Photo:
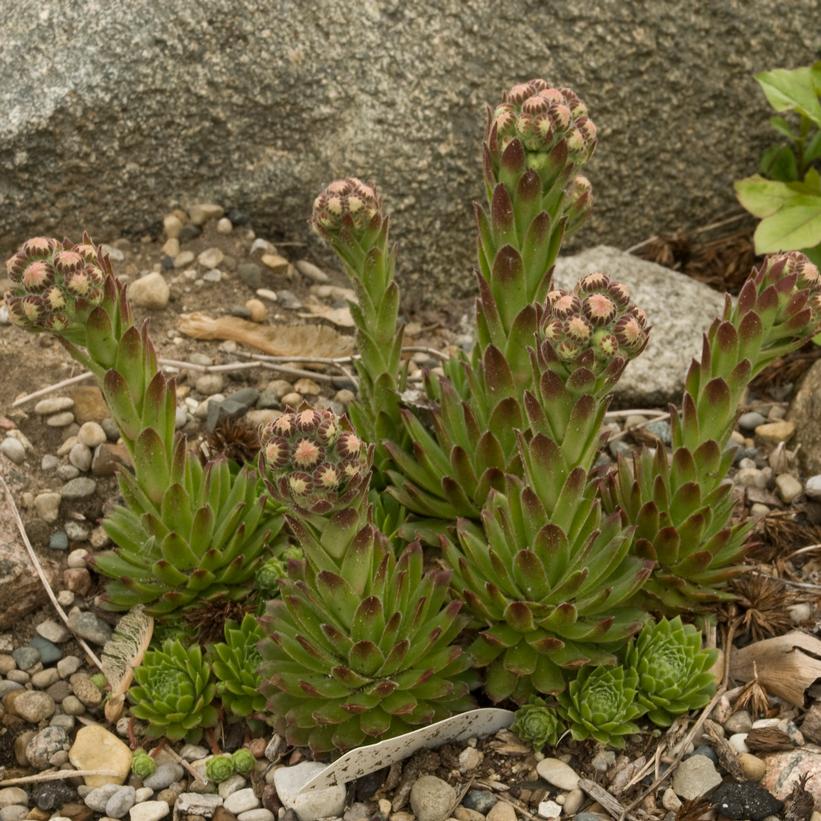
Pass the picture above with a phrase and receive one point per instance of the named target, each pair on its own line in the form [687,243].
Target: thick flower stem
[681,507]
[185,533]
[349,216]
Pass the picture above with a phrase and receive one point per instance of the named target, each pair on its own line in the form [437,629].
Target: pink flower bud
[348,203]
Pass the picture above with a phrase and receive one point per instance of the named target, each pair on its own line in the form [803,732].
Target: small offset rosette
[312,461]
[541,118]
[596,318]
[55,284]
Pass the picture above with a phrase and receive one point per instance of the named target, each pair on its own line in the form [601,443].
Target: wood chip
[276,340]
[768,740]
[786,665]
[727,756]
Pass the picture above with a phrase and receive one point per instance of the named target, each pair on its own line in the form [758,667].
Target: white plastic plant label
[363,760]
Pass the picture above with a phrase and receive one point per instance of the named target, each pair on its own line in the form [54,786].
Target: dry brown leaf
[768,740]
[276,340]
[122,654]
[786,665]
[338,316]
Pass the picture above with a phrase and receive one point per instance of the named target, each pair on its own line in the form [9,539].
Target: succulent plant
[273,569]
[548,582]
[348,214]
[142,764]
[601,703]
[56,286]
[360,644]
[681,506]
[235,664]
[548,577]
[174,692]
[186,533]
[219,768]
[674,672]
[538,723]
[243,760]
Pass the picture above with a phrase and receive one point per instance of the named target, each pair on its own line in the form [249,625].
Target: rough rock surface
[20,589]
[679,310]
[257,105]
[806,413]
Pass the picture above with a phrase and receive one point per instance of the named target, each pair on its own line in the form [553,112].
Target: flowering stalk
[582,342]
[348,214]
[185,533]
[682,507]
[360,644]
[535,141]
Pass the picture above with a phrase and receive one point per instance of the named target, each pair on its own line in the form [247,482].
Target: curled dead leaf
[786,666]
[276,340]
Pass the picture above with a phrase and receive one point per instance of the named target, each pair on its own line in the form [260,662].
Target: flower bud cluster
[541,116]
[312,462]
[783,267]
[345,203]
[596,316]
[55,284]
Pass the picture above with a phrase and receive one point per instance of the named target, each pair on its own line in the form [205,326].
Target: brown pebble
[257,310]
[501,811]
[754,768]
[77,580]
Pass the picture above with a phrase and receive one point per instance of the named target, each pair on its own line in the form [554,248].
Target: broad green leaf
[795,226]
[763,197]
[812,150]
[781,125]
[778,163]
[793,89]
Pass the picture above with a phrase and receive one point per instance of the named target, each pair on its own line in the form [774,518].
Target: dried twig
[56,775]
[30,397]
[41,574]
[606,799]
[627,431]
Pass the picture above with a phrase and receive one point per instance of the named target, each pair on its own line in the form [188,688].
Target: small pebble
[256,310]
[788,487]
[91,434]
[549,809]
[241,800]
[775,432]
[53,404]
[469,759]
[79,488]
[738,741]
[739,722]
[164,776]
[558,774]
[13,450]
[149,811]
[120,802]
[754,768]
[224,226]
[60,420]
[751,420]
[58,540]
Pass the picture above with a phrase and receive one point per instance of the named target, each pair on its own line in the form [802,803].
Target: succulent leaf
[174,692]
[674,672]
[601,703]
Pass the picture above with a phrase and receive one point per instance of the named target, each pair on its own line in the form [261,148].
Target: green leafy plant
[786,196]
[601,703]
[538,723]
[674,674]
[244,761]
[185,533]
[360,644]
[142,764]
[219,768]
[681,507]
[235,664]
[174,692]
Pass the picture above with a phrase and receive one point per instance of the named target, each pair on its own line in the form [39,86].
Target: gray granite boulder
[805,411]
[112,111]
[679,309]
